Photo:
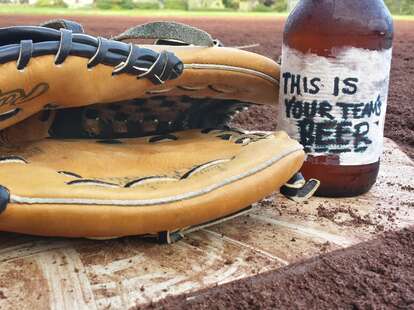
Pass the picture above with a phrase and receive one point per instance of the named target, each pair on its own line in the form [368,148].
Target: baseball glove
[101,138]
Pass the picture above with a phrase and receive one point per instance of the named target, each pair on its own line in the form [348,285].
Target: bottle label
[336,105]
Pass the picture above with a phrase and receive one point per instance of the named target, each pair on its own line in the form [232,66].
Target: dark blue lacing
[101,51]
[26,50]
[64,47]
[21,43]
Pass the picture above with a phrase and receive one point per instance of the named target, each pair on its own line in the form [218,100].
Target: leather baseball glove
[102,138]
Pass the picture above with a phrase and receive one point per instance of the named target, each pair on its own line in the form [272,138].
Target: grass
[404,17]
[30,10]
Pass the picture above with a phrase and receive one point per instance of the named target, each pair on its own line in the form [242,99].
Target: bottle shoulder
[322,25]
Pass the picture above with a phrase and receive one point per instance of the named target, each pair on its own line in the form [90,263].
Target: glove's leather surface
[172,173]
[88,188]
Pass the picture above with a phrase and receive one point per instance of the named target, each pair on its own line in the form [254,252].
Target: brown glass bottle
[324,28]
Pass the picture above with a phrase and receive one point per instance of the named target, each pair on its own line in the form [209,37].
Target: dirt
[355,220]
[377,274]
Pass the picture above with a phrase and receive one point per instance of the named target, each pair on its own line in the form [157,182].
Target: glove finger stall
[63,43]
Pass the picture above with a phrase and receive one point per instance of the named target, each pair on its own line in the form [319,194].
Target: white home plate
[52,273]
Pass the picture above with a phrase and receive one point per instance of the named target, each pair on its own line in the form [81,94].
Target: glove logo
[18,96]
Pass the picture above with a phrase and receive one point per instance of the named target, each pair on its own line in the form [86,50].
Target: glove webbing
[169,33]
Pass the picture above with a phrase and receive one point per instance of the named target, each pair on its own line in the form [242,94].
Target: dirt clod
[344,216]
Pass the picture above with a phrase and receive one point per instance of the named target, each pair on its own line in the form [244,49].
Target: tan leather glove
[101,138]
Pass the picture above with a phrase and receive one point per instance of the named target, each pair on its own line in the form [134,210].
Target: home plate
[56,273]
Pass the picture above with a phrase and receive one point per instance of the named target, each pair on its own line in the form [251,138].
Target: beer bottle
[336,59]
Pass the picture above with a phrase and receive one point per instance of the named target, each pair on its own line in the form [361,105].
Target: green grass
[30,10]
[403,17]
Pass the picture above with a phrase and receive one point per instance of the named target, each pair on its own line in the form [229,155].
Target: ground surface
[375,273]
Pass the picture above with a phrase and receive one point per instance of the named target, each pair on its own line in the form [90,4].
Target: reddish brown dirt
[374,275]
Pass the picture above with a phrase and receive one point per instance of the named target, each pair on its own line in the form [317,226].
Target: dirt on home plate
[371,275]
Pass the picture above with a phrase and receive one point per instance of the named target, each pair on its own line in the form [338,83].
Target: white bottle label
[336,105]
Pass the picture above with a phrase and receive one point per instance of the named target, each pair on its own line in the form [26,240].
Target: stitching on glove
[158,91]
[155,201]
[64,46]
[101,51]
[9,114]
[212,87]
[92,182]
[146,180]
[110,141]
[158,65]
[69,174]
[26,50]
[236,135]
[194,66]
[191,88]
[133,57]
[159,138]
[204,166]
[12,159]
[243,138]
[225,136]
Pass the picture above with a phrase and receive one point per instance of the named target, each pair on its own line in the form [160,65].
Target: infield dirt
[377,274]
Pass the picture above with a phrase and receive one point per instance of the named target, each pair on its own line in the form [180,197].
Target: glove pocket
[86,188]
